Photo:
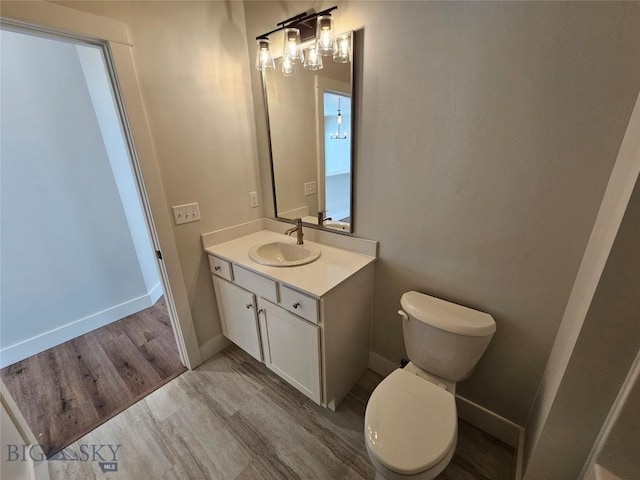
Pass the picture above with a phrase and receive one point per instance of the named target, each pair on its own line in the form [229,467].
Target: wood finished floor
[70,389]
[232,418]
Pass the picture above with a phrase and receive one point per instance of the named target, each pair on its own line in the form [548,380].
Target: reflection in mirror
[311,136]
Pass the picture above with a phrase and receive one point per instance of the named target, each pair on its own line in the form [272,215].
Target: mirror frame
[352,34]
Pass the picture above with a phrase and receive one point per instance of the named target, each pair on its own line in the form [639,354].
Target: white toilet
[411,425]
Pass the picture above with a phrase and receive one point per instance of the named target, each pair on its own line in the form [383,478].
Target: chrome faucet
[297,229]
[322,218]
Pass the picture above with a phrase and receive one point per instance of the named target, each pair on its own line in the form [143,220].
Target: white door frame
[21,463]
[47,18]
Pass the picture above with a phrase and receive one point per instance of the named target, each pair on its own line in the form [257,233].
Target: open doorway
[85,327]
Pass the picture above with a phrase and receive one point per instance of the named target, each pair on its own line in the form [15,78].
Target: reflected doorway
[337,152]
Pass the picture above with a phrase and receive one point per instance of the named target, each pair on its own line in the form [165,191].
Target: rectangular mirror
[310,125]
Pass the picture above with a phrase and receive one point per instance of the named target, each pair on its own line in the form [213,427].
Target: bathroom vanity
[310,324]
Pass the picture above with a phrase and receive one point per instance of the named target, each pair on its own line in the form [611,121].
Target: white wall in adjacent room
[68,260]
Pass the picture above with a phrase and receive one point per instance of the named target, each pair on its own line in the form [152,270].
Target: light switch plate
[253,199]
[310,188]
[189,212]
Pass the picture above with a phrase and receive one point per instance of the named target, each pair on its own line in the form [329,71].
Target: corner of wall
[213,346]
[617,197]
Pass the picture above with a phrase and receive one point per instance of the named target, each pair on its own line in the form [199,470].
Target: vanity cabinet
[318,344]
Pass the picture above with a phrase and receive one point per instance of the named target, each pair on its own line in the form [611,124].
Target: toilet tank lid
[448,316]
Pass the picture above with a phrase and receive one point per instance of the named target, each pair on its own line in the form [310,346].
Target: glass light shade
[287,67]
[292,46]
[325,37]
[264,60]
[312,61]
[343,50]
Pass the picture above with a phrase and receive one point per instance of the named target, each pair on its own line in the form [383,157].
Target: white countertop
[316,278]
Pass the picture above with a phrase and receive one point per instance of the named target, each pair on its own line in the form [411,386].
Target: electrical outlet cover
[253,199]
[310,188]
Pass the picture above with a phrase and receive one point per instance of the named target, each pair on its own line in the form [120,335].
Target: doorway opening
[85,327]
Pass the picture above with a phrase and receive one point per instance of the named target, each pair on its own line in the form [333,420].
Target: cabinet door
[291,348]
[238,316]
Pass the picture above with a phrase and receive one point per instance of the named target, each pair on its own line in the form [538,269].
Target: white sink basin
[280,254]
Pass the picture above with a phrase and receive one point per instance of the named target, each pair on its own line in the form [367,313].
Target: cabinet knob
[216,268]
[248,305]
[296,305]
[260,311]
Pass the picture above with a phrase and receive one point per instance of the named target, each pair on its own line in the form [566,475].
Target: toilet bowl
[411,423]
[411,427]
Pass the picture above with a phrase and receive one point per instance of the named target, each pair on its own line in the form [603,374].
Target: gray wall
[486,135]
[603,354]
[67,253]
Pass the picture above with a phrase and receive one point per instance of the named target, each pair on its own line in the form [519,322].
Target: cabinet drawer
[257,284]
[299,303]
[220,267]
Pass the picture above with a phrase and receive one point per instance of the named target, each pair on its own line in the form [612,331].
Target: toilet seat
[410,424]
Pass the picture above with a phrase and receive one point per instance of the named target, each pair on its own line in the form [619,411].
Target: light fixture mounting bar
[300,22]
[284,23]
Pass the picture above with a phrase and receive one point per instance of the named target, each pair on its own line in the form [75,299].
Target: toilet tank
[444,338]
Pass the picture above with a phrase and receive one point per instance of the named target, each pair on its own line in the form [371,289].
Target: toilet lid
[410,423]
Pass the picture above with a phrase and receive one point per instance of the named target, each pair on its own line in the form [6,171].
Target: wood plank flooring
[232,418]
[70,389]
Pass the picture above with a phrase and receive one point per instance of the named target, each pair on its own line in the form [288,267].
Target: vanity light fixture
[297,30]
[338,135]
[325,41]
[292,46]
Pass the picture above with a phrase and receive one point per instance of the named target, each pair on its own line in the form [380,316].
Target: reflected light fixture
[287,67]
[338,135]
[264,60]
[342,53]
[312,61]
[302,28]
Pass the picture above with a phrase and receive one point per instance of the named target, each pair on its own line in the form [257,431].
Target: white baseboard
[495,425]
[478,416]
[213,346]
[155,293]
[380,365]
[598,472]
[34,345]
[488,421]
